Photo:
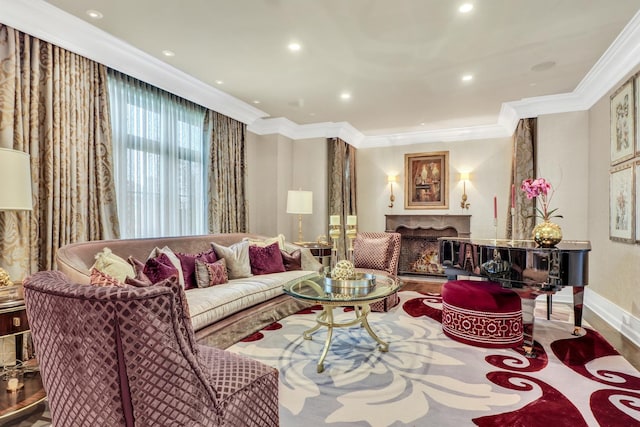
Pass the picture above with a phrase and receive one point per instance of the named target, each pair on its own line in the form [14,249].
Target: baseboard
[621,320]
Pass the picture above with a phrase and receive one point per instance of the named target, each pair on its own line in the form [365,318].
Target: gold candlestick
[351,235]
[334,233]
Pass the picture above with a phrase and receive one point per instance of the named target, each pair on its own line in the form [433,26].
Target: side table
[319,250]
[14,322]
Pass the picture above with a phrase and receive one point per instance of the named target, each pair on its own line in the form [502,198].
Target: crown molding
[43,20]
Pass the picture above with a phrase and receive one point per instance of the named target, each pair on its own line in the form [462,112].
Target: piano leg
[528,320]
[578,297]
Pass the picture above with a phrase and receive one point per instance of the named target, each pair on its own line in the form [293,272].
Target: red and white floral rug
[428,379]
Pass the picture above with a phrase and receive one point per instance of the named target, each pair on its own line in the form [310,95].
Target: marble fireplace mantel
[462,223]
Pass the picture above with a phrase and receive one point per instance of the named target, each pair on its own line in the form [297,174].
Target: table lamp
[15,177]
[300,202]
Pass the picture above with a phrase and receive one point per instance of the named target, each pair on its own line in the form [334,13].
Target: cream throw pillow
[263,243]
[237,258]
[175,261]
[109,263]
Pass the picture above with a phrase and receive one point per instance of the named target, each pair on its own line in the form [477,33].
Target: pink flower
[540,187]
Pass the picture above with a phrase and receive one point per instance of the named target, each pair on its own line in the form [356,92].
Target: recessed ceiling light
[465,8]
[345,95]
[543,66]
[168,53]
[294,47]
[94,14]
[255,101]
[219,82]
[467,78]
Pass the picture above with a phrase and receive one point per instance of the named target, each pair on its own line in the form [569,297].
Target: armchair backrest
[114,356]
[379,251]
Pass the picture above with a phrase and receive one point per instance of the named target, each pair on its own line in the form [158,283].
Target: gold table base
[325,318]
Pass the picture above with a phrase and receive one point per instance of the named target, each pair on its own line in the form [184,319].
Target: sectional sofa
[220,314]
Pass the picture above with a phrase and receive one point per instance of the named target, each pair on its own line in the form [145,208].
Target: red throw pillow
[292,261]
[159,268]
[188,263]
[266,260]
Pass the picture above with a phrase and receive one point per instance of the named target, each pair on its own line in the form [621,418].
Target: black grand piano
[525,268]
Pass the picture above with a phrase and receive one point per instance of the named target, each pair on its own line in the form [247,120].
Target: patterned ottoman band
[482,314]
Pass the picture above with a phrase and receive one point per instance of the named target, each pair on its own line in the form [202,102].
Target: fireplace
[419,248]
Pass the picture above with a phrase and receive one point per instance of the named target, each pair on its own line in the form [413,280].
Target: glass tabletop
[320,289]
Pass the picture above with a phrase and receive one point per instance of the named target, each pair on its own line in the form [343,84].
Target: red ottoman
[483,314]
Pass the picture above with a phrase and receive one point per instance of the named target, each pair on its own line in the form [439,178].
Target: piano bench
[482,314]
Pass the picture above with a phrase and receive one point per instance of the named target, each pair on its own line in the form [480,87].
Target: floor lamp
[301,203]
[15,179]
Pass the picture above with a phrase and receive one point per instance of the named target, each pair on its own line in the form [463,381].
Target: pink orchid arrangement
[540,188]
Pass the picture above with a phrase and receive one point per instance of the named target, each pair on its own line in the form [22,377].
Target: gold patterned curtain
[54,106]
[523,167]
[342,185]
[227,174]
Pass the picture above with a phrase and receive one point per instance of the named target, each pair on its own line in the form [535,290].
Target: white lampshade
[15,181]
[299,202]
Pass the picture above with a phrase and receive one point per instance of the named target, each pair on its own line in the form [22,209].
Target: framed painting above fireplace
[426,180]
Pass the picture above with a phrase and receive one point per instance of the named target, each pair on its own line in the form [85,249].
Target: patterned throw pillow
[236,257]
[266,260]
[160,268]
[211,273]
[111,264]
[371,252]
[292,261]
[98,278]
[188,265]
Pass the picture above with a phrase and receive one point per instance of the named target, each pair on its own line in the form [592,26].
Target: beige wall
[277,164]
[615,270]
[488,162]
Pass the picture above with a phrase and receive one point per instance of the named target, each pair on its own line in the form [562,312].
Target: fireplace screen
[419,250]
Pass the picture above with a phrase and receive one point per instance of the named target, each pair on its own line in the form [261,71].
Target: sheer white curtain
[160,159]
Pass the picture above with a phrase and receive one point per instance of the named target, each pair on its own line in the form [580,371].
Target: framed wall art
[621,204]
[427,180]
[623,134]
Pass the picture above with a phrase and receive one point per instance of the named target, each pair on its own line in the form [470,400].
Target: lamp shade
[15,176]
[299,202]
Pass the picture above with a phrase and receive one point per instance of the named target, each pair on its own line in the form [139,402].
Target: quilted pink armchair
[112,356]
[378,251]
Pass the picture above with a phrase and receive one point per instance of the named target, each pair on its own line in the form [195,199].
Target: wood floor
[623,345]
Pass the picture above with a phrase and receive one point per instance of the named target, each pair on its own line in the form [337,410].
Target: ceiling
[401,61]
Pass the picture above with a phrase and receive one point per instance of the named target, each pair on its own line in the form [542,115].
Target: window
[160,157]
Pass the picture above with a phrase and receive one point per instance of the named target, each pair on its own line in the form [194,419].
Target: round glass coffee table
[315,290]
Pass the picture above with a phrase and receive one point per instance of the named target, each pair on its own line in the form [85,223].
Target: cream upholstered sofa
[219,314]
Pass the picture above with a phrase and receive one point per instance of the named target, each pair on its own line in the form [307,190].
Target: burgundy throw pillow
[140,280]
[265,260]
[188,263]
[159,268]
[292,261]
[211,273]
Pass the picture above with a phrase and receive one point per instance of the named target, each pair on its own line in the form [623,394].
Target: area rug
[427,379]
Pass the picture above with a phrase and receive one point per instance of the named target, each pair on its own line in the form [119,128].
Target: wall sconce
[464,177]
[391,179]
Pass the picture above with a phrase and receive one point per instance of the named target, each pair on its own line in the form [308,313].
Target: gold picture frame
[623,134]
[622,204]
[426,180]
